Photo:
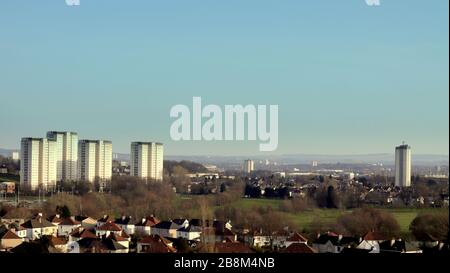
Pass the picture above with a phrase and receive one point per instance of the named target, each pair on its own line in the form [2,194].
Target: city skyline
[360,82]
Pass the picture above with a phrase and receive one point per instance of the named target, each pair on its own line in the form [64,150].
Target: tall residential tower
[66,154]
[146,160]
[249,166]
[403,166]
[94,160]
[38,163]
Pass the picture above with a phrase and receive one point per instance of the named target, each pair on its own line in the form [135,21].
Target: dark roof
[106,218]
[81,218]
[54,218]
[111,244]
[148,221]
[30,248]
[190,228]
[298,248]
[179,221]
[391,246]
[166,225]
[124,220]
[336,239]
[38,222]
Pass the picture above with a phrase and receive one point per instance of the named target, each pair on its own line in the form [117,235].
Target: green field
[404,216]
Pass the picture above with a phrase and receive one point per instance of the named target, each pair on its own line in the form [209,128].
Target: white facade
[146,160]
[94,160]
[249,166]
[38,164]
[15,156]
[66,154]
[403,166]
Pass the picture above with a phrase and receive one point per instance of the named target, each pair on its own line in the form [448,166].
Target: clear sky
[348,78]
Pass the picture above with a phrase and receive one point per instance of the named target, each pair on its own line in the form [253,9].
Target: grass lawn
[404,216]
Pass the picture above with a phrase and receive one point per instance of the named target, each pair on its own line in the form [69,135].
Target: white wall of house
[65,230]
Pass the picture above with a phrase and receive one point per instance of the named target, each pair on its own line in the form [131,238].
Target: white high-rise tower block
[249,166]
[66,155]
[146,160]
[94,160]
[403,166]
[38,163]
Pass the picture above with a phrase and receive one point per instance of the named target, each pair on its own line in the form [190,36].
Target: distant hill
[191,167]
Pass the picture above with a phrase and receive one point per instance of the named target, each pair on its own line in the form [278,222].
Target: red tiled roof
[9,235]
[297,237]
[148,221]
[374,236]
[156,244]
[109,226]
[298,248]
[81,233]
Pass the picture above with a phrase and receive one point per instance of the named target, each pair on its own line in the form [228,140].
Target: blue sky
[348,78]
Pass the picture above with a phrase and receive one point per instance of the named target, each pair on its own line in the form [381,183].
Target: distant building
[249,166]
[7,187]
[146,160]
[94,160]
[15,156]
[38,164]
[66,155]
[314,163]
[403,166]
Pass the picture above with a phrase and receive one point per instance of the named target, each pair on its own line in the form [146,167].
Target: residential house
[125,223]
[298,247]
[258,238]
[105,219]
[155,244]
[296,238]
[38,227]
[213,235]
[57,244]
[18,230]
[9,240]
[67,225]
[333,243]
[165,229]
[86,221]
[144,226]
[371,241]
[54,219]
[81,233]
[107,228]
[189,233]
